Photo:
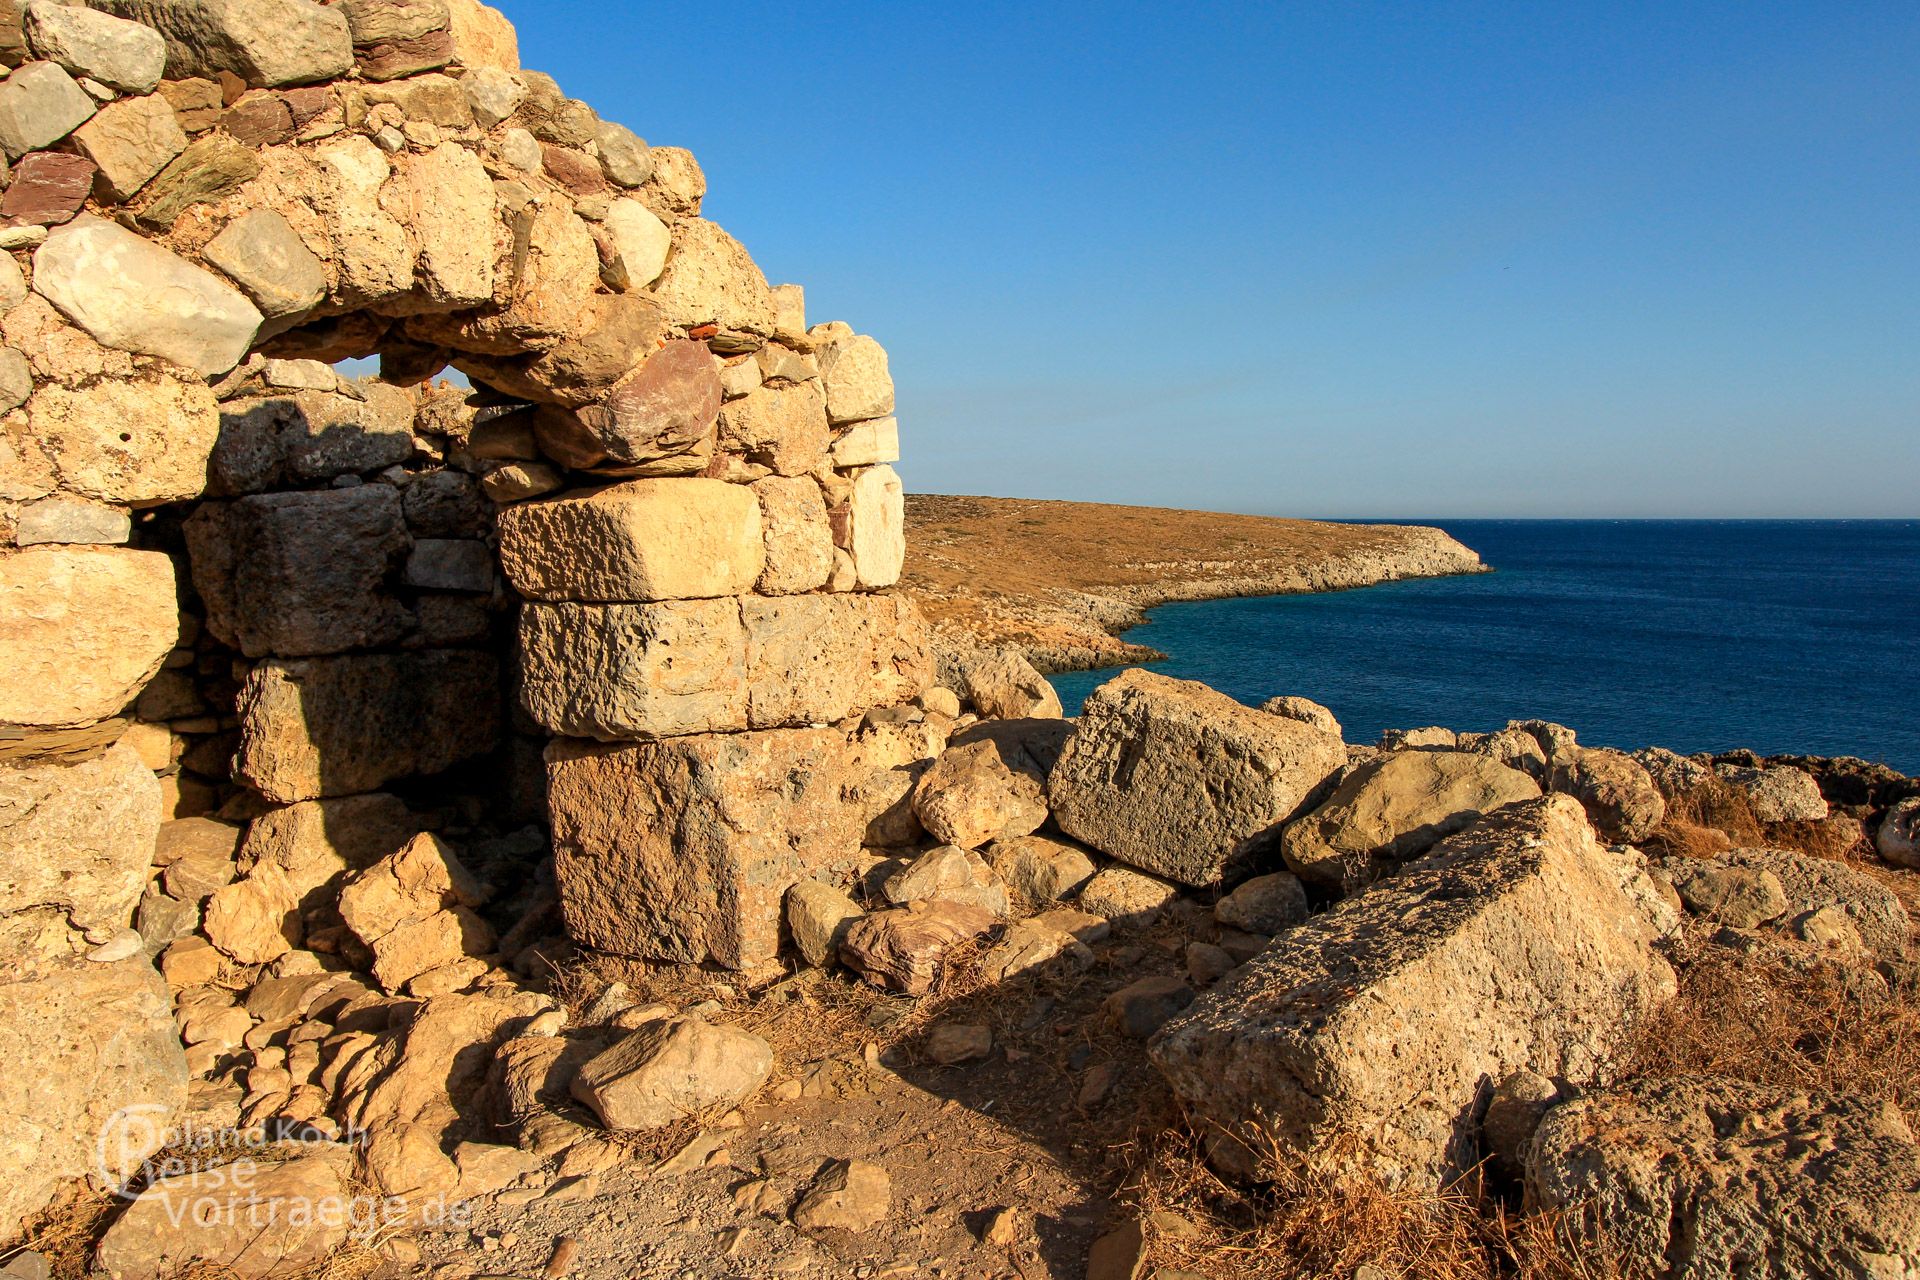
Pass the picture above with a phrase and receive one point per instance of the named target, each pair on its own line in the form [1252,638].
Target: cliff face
[1060,580]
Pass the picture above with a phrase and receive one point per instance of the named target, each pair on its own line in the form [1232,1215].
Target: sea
[1789,636]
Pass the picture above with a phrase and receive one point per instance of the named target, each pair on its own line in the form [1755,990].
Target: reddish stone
[406,57]
[666,407]
[48,189]
[840,521]
[577,172]
[701,332]
[305,105]
[259,120]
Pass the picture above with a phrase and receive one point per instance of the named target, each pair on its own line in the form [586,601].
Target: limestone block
[906,949]
[446,504]
[858,384]
[261,253]
[1516,945]
[784,427]
[878,512]
[624,671]
[119,54]
[318,842]
[790,313]
[818,917]
[817,658]
[493,93]
[638,541]
[413,910]
[140,443]
[82,629]
[372,253]
[79,838]
[61,519]
[710,279]
[450,202]
[1174,778]
[684,849]
[264,42]
[862,444]
[641,240]
[793,520]
[102,1042]
[1310,712]
[322,727]
[482,36]
[39,105]
[134,295]
[301,574]
[657,418]
[310,435]
[552,293]
[1616,789]
[981,791]
[677,185]
[130,141]
[256,920]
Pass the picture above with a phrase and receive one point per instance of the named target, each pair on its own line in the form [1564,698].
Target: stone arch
[630,582]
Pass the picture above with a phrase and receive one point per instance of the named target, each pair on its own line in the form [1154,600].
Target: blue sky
[1442,259]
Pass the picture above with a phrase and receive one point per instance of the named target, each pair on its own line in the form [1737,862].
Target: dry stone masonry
[261,622]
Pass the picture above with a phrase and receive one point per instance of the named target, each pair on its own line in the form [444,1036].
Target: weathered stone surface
[638,541]
[617,672]
[710,279]
[1177,779]
[250,1220]
[256,920]
[858,384]
[79,837]
[102,1041]
[793,520]
[48,189]
[658,418]
[1142,1007]
[818,917]
[684,849]
[383,21]
[1265,904]
[1513,1116]
[905,949]
[451,214]
[1703,1177]
[1739,897]
[413,910]
[818,658]
[1126,896]
[211,168]
[137,296]
[851,1195]
[141,442]
[264,42]
[948,874]
[39,105]
[1517,944]
[482,36]
[672,1070]
[1897,839]
[302,574]
[82,629]
[320,727]
[309,435]
[1040,869]
[879,535]
[640,240]
[68,521]
[518,482]
[1617,792]
[1812,884]
[783,428]
[1395,808]
[319,842]
[1780,794]
[119,54]
[863,444]
[979,792]
[373,258]
[1304,710]
[677,185]
[130,141]
[1003,685]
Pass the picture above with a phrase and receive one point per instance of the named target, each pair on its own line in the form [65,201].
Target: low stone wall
[247,603]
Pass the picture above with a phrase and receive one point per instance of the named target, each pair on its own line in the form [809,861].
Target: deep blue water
[1782,636]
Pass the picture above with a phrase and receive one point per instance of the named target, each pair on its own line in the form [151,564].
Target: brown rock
[1617,792]
[851,1195]
[906,949]
[979,792]
[638,541]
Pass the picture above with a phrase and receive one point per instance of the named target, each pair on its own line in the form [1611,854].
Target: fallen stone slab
[1174,778]
[674,1069]
[1520,943]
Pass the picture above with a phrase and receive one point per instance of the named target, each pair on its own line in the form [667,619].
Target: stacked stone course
[247,602]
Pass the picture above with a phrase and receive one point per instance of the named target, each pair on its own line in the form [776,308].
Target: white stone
[641,239]
[123,55]
[864,444]
[879,527]
[134,295]
[494,93]
[859,385]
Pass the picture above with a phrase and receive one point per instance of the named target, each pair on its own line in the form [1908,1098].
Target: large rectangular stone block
[1371,1032]
[82,629]
[684,849]
[632,671]
[662,539]
[319,727]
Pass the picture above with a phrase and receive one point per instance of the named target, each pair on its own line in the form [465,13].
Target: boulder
[1898,837]
[656,413]
[710,279]
[1518,944]
[119,54]
[107,1084]
[1812,884]
[1515,748]
[1126,897]
[906,949]
[79,837]
[39,105]
[1738,897]
[684,849]
[130,293]
[948,874]
[981,791]
[863,444]
[1003,685]
[799,538]
[671,1070]
[878,538]
[414,911]
[1513,1116]
[1174,778]
[49,187]
[1266,904]
[1053,941]
[818,917]
[139,442]
[302,574]
[1142,1007]
[1304,710]
[82,630]
[1040,869]
[850,1195]
[642,540]
[1779,794]
[264,42]
[858,385]
[250,1219]
[1394,808]
[317,727]
[1695,1176]
[639,240]
[1616,791]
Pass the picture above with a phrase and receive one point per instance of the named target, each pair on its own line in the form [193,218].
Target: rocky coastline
[1060,582]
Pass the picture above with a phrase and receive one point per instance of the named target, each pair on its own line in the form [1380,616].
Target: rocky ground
[1059,1029]
[1060,580]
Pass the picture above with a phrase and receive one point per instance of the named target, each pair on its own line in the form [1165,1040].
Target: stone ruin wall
[260,621]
